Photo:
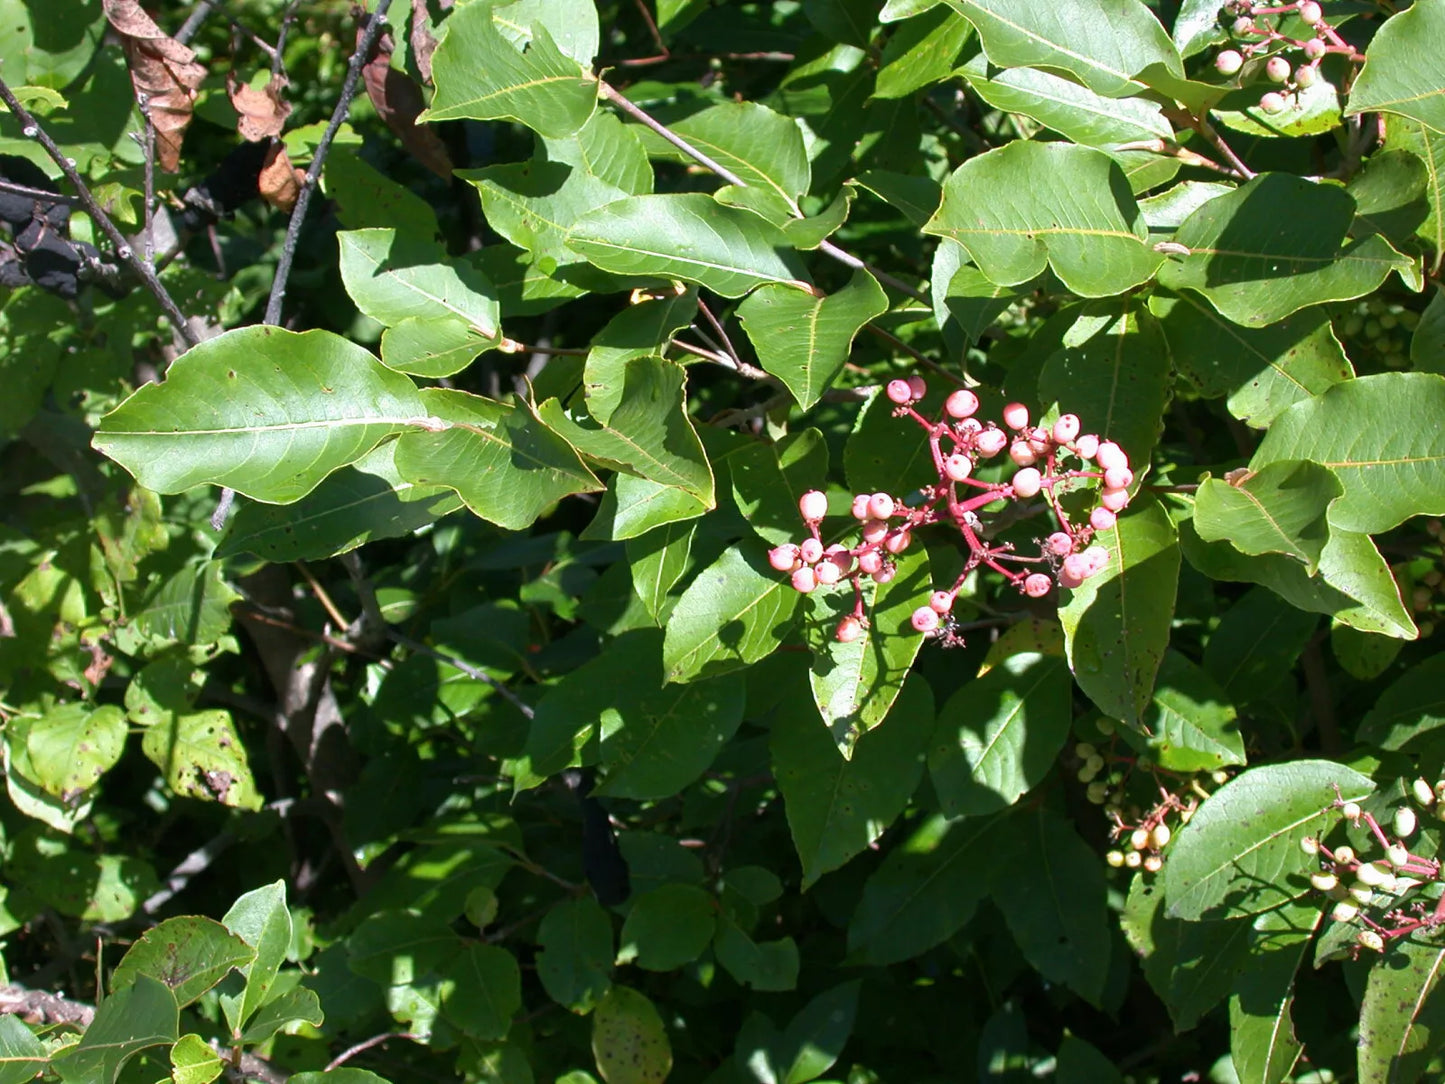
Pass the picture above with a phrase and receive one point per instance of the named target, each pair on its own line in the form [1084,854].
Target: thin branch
[278,63]
[849,260]
[38,194]
[728,347]
[1215,140]
[194,864]
[927,362]
[194,20]
[366,1044]
[377,20]
[466,668]
[30,127]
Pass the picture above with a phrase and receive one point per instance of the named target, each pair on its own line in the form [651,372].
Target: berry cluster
[1257,35]
[1378,328]
[1373,893]
[958,442]
[1145,832]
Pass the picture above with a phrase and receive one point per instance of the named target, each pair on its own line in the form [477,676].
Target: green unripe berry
[1085,751]
[1361,894]
[1389,320]
[1371,874]
[1098,792]
[1371,940]
[1405,822]
[1422,793]
[1345,911]
[1096,763]
[1160,836]
[1153,863]
[1398,854]
[1105,727]
[1219,777]
[1276,69]
[1351,811]
[1345,856]
[1133,859]
[1115,858]
[1139,839]
[1322,881]
[1310,845]
[1352,326]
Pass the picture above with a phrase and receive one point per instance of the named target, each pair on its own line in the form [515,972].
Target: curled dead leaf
[164,73]
[280,182]
[261,113]
[399,101]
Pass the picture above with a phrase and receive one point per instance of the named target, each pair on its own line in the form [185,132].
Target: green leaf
[261,920]
[575,961]
[1262,370]
[1082,1063]
[804,340]
[1310,111]
[666,928]
[854,684]
[1412,707]
[688,236]
[1240,853]
[999,735]
[284,1010]
[1363,655]
[1116,625]
[1427,344]
[1276,245]
[1429,147]
[632,506]
[1192,726]
[1112,370]
[502,460]
[1389,196]
[1378,435]
[482,992]
[72,745]
[1059,915]
[637,331]
[927,888]
[963,296]
[191,607]
[194,1062]
[366,501]
[816,1036]
[344,1075]
[760,965]
[658,560]
[144,1014]
[734,613]
[1280,508]
[432,347]
[1402,1021]
[394,277]
[189,954]
[921,52]
[482,75]
[1104,45]
[572,24]
[1262,1040]
[1069,208]
[22,1055]
[648,434]
[267,412]
[364,196]
[201,756]
[838,808]
[1401,73]
[916,197]
[629,1039]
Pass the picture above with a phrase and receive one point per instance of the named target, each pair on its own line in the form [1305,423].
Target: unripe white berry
[1066,428]
[1351,811]
[1219,777]
[958,467]
[1272,102]
[1398,854]
[1322,881]
[924,619]
[899,392]
[1345,911]
[880,506]
[1405,822]
[1371,940]
[1027,482]
[1310,845]
[1037,585]
[1133,859]
[813,505]
[811,551]
[805,580]
[961,404]
[1115,858]
[1243,25]
[1016,415]
[1276,68]
[1422,793]
[1228,62]
[1344,856]
[1371,874]
[1023,455]
[1310,12]
[1153,863]
[1139,838]
[1160,836]
[1361,893]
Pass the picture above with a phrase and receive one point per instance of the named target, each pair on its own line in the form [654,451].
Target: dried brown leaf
[164,73]
[280,182]
[423,41]
[399,101]
[262,113]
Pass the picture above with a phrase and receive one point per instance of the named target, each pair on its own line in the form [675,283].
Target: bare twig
[278,61]
[365,1045]
[465,667]
[195,863]
[727,343]
[194,20]
[30,127]
[377,20]
[38,194]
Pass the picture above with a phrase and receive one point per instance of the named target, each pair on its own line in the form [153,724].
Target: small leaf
[189,954]
[394,277]
[629,1039]
[72,745]
[194,1062]
[483,991]
[667,928]
[261,920]
[1280,508]
[1192,726]
[575,961]
[760,965]
[1402,72]
[658,560]
[815,1038]
[201,756]
[637,331]
[734,613]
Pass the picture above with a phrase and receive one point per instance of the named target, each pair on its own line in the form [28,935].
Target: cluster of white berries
[1357,885]
[1148,833]
[958,442]
[1257,37]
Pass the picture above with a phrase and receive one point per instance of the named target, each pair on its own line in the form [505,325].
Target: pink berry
[1075,567]
[1315,48]
[1305,75]
[961,404]
[813,505]
[1277,69]
[1310,12]
[1027,482]
[784,558]
[1040,442]
[1228,62]
[941,601]
[1097,557]
[1059,544]
[958,467]
[918,386]
[899,392]
[870,563]
[839,556]
[1087,446]
[1114,499]
[1118,478]
[874,531]
[805,580]
[924,619]
[1016,415]
[880,506]
[1272,102]
[1020,452]
[898,542]
[1066,428]
[811,550]
[849,629]
[1243,25]
[860,505]
[1037,585]
[1101,519]
[1110,455]
[1069,579]
[827,573]
[886,573]
[991,441]
[968,426]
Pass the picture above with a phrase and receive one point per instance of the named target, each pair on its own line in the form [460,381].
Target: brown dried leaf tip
[164,73]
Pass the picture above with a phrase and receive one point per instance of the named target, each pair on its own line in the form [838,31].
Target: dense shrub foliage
[728,543]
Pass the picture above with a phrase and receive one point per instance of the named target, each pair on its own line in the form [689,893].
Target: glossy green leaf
[688,236]
[575,961]
[1402,1023]
[666,928]
[838,808]
[194,1062]
[190,954]
[191,607]
[260,919]
[345,1075]
[482,75]
[366,501]
[1116,625]
[1261,370]
[1308,111]
[632,506]
[1377,435]
[1276,245]
[72,745]
[648,434]
[1390,196]
[483,991]
[502,460]
[394,277]
[1401,73]
[1262,1039]
[658,560]
[282,1011]
[1103,45]
[1412,707]
[144,1014]
[921,52]
[637,331]
[432,347]
[1070,208]
[760,965]
[1192,726]
[572,24]
[963,296]
[22,1056]
[916,197]
[804,340]
[734,613]
[629,1039]
[999,735]
[1280,508]
[267,412]
[1240,853]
